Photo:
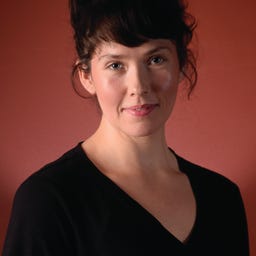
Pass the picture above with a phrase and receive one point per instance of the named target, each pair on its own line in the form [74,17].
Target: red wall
[41,117]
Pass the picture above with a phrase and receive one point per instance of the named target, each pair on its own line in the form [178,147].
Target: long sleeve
[37,222]
[238,226]
[70,208]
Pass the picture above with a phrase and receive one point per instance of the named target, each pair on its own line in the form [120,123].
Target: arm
[238,226]
[39,224]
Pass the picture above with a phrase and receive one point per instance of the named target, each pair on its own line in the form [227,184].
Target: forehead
[112,48]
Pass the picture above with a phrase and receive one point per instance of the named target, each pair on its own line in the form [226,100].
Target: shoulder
[60,187]
[72,165]
[220,205]
[70,173]
[69,165]
[215,193]
[44,206]
[206,179]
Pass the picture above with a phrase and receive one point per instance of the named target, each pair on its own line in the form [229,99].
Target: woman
[123,191]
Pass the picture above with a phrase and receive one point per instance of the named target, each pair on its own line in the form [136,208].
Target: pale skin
[136,90]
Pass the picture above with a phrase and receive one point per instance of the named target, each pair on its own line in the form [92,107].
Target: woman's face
[136,87]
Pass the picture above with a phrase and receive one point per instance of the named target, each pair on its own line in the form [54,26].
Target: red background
[41,117]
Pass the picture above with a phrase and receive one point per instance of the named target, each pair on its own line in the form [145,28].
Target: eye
[115,66]
[156,60]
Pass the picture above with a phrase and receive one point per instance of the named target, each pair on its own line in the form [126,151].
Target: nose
[139,81]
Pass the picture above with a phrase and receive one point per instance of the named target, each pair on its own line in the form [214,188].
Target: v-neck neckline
[137,206]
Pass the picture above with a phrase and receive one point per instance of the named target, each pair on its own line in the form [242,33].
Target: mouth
[140,110]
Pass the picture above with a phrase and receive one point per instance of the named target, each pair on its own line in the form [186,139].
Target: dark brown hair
[131,23]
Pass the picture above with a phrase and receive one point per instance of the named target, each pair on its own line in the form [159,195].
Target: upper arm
[238,225]
[39,223]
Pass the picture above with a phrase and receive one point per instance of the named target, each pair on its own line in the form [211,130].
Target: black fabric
[70,208]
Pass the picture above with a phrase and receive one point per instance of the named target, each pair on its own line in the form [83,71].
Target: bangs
[132,23]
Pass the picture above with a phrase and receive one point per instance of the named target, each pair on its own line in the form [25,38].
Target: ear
[86,80]
[181,76]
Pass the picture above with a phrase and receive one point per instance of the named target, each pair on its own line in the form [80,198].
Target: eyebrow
[121,56]
[157,49]
[112,56]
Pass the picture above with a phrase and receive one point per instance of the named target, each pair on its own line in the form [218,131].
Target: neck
[127,153]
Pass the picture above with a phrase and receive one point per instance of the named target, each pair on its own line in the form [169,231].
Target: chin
[142,131]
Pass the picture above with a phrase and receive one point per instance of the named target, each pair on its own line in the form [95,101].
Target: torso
[171,202]
[167,195]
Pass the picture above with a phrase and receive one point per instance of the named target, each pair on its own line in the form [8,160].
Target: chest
[171,204]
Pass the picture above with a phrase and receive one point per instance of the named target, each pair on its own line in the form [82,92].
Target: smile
[140,110]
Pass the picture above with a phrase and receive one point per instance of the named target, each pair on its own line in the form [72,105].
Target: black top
[70,208]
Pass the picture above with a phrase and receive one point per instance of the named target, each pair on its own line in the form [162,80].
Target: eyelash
[154,58]
[111,66]
[118,65]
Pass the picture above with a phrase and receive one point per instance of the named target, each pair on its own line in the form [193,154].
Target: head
[132,23]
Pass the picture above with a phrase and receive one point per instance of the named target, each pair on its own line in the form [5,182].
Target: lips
[140,110]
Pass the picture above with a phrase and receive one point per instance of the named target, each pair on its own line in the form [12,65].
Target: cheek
[108,91]
[166,82]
